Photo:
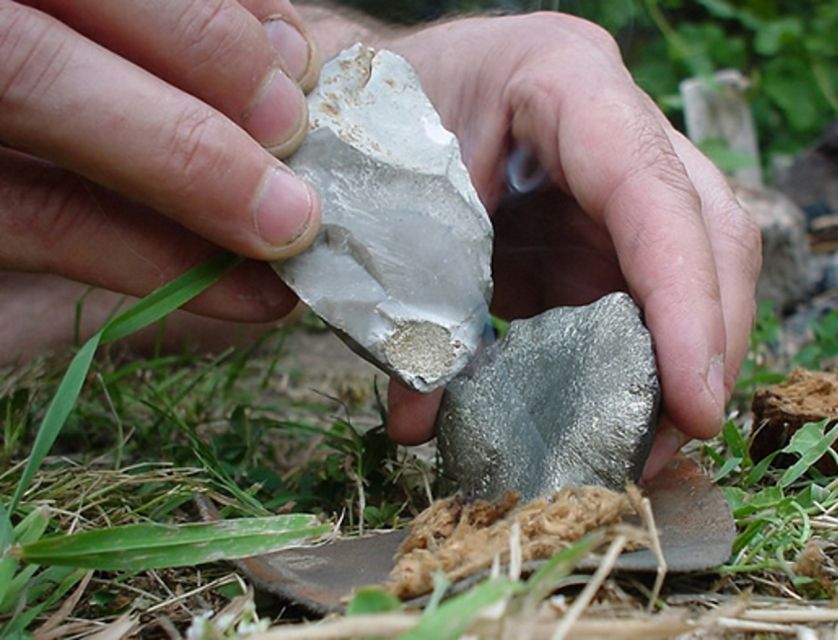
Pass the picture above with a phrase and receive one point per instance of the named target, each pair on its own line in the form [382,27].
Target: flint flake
[401,269]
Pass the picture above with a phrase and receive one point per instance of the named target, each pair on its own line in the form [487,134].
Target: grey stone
[812,179]
[719,110]
[786,276]
[401,269]
[569,397]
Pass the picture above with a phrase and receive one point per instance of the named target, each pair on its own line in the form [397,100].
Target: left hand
[635,205]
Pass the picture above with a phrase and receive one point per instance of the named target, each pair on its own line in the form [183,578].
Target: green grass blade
[32,527]
[452,618]
[16,626]
[147,311]
[15,588]
[57,413]
[547,578]
[8,564]
[368,600]
[155,546]
[169,297]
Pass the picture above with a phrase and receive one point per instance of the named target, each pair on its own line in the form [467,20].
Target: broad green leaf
[372,600]
[453,617]
[154,546]
[811,444]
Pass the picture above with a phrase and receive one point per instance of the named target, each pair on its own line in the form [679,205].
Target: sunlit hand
[635,206]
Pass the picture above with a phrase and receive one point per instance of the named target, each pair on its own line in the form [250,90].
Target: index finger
[145,139]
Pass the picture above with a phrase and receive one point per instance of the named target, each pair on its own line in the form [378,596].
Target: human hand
[133,140]
[635,206]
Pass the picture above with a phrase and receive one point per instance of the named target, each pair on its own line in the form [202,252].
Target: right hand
[137,137]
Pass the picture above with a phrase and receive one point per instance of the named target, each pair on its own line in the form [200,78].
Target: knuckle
[33,55]
[211,31]
[654,157]
[592,33]
[194,148]
[746,236]
[61,210]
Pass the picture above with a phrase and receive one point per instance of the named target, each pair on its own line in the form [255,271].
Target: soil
[780,410]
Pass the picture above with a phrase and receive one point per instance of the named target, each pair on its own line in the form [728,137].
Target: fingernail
[667,443]
[283,209]
[279,113]
[716,382]
[292,47]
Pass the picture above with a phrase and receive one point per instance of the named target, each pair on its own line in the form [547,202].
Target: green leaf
[453,617]
[65,581]
[372,600]
[169,297]
[811,444]
[727,468]
[789,82]
[733,439]
[8,564]
[150,309]
[776,34]
[154,546]
[759,470]
[726,159]
[441,584]
[15,588]
[32,527]
[546,579]
[56,415]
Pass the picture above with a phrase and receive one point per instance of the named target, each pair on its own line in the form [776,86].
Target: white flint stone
[401,269]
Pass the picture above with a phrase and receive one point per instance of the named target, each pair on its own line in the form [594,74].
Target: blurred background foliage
[788,49]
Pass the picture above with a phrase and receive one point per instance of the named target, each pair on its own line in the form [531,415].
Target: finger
[54,221]
[737,247]
[285,27]
[668,441]
[44,312]
[215,50]
[145,139]
[644,197]
[411,415]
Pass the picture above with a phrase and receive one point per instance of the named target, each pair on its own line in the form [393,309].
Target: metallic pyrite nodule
[569,397]
[401,269]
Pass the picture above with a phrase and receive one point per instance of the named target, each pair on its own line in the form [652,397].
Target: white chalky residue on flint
[405,241]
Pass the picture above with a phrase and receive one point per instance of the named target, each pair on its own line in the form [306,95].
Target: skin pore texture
[126,187]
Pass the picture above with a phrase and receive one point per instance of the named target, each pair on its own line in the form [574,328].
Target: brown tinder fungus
[463,537]
[781,409]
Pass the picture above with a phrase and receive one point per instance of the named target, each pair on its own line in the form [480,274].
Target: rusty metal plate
[694,523]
